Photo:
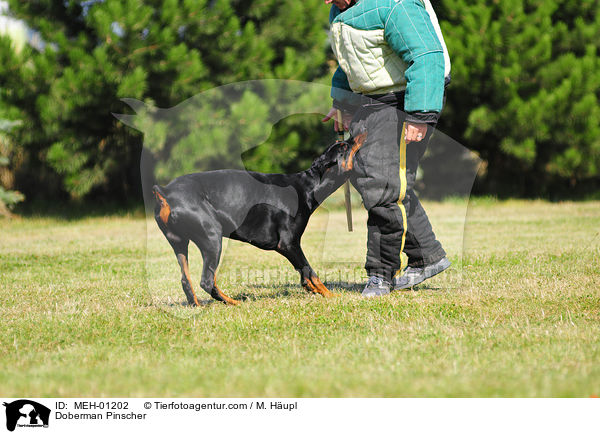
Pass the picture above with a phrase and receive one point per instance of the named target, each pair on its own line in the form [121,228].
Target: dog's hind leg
[210,246]
[308,278]
[179,244]
[181,251]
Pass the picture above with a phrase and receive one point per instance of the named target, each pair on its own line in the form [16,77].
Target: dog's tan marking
[309,286]
[315,285]
[322,288]
[358,142]
[165,209]
[227,299]
[185,269]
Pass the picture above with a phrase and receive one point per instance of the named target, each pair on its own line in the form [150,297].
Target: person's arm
[343,97]
[340,90]
[409,32]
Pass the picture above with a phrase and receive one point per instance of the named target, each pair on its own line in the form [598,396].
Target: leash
[347,198]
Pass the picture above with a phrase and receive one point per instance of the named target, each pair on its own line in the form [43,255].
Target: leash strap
[347,197]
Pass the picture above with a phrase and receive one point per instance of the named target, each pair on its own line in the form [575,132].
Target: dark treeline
[524,93]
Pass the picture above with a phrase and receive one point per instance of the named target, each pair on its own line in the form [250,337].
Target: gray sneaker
[376,287]
[413,276]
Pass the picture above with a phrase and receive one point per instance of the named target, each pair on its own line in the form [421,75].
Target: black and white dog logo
[26,413]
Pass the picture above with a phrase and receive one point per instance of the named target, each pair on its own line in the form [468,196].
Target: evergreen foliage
[524,93]
[161,52]
[525,90]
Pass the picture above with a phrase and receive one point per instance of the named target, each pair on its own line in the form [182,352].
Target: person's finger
[330,115]
[346,124]
[420,132]
[415,133]
[327,117]
[347,121]
[408,133]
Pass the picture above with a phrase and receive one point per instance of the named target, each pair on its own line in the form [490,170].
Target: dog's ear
[357,142]
[360,139]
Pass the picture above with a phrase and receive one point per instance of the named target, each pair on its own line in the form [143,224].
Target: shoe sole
[426,275]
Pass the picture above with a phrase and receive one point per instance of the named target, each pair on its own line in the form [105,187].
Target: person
[391,78]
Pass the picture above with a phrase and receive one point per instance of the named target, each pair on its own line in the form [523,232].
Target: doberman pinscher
[269,211]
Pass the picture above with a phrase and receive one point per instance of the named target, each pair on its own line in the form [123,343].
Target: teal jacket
[388,46]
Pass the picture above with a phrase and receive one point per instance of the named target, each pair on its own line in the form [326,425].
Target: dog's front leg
[313,284]
[308,278]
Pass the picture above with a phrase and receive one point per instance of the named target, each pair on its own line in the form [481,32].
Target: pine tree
[525,90]
[524,93]
[160,52]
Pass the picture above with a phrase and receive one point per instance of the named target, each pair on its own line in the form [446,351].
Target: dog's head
[338,160]
[335,165]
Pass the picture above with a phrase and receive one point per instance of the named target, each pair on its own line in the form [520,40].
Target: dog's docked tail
[162,210]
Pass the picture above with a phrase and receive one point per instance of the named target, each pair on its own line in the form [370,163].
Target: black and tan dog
[269,211]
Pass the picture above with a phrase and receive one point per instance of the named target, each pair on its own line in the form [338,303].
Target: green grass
[82,315]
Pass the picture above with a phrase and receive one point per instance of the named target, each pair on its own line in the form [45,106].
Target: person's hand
[346,118]
[415,132]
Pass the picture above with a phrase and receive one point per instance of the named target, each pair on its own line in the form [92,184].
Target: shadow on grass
[288,290]
[279,290]
[203,302]
[358,287]
[421,287]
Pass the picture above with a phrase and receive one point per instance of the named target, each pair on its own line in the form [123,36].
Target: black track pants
[386,172]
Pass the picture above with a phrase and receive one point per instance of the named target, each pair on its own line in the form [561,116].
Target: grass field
[520,317]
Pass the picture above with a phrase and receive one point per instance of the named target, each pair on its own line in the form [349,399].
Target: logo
[26,413]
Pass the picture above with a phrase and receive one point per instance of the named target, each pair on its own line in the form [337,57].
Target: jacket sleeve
[409,32]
